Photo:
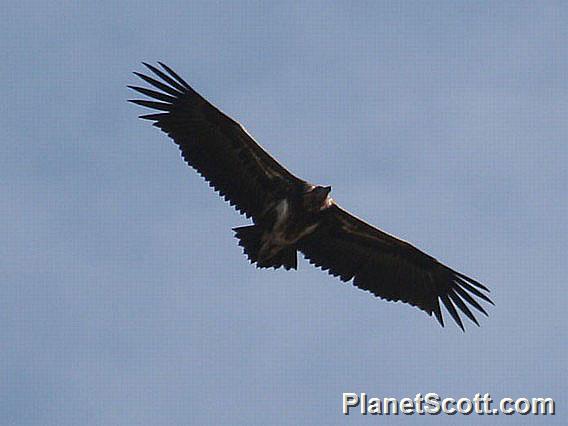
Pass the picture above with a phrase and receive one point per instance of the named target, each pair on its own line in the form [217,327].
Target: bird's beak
[327,189]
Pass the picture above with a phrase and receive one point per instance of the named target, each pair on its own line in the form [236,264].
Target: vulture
[291,215]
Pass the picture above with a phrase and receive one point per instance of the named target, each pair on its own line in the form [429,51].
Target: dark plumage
[291,215]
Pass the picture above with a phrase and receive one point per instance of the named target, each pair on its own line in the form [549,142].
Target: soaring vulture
[291,215]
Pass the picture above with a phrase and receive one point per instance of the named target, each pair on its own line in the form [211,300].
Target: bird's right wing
[219,148]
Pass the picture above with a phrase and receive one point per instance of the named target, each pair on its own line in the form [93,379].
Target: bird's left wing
[388,267]
[218,147]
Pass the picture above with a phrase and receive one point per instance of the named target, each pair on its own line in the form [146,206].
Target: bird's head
[317,198]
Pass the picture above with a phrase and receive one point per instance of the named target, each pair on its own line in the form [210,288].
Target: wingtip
[461,305]
[472,281]
[474,320]
[438,312]
[452,310]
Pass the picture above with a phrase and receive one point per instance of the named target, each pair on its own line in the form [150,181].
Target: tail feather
[286,257]
[250,240]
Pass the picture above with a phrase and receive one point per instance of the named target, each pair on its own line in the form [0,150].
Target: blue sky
[124,296]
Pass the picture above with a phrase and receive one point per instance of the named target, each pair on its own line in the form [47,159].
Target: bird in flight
[290,214]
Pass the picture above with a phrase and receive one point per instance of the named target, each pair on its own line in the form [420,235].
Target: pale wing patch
[282,209]
[327,203]
[269,171]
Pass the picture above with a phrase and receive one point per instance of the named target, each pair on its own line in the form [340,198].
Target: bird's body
[291,215]
[285,222]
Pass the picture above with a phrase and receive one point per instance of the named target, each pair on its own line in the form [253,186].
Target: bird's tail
[250,239]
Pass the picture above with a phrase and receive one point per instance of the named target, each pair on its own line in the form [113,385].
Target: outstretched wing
[390,268]
[219,148]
